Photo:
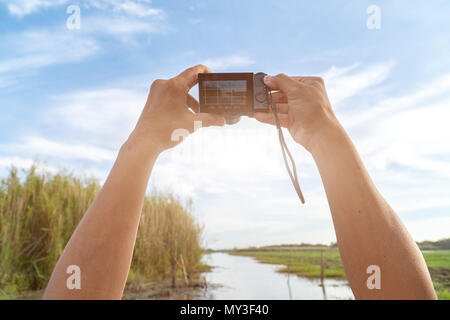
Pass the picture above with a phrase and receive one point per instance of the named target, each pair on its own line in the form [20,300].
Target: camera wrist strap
[285,150]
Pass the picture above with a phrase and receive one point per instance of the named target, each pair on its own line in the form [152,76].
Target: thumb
[282,82]
[209,119]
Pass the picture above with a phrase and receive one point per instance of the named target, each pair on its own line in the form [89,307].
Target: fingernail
[268,79]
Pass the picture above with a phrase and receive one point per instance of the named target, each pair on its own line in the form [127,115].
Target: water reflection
[243,278]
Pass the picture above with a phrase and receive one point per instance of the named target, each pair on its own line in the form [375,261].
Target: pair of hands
[302,104]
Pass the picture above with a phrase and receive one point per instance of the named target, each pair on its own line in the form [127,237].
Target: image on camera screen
[225,92]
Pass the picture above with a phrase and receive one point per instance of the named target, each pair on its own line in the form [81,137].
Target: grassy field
[438,263]
[306,262]
[40,211]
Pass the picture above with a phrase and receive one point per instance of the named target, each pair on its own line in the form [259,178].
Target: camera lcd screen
[226,93]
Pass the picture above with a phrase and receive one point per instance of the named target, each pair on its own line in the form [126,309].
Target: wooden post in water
[288,275]
[322,274]
[322,267]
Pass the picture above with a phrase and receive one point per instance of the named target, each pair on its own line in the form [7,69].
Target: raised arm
[368,231]
[102,245]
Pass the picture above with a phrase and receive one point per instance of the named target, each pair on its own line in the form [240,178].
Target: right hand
[303,107]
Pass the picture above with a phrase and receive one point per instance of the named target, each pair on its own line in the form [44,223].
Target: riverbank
[163,290]
[230,277]
[144,290]
[263,274]
[309,262]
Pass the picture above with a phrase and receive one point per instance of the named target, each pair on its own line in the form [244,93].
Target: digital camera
[233,94]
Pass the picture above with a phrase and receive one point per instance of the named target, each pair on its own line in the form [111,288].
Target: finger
[189,77]
[312,81]
[279,97]
[209,119]
[282,82]
[192,103]
[269,118]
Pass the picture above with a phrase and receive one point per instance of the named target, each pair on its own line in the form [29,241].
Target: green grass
[437,259]
[303,263]
[439,264]
[39,212]
[307,263]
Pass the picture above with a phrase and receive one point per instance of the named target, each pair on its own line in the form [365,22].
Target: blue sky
[69,98]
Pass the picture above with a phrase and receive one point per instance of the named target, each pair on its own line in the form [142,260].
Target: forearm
[102,245]
[367,229]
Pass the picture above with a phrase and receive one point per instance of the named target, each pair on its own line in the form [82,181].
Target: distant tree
[333,245]
[443,244]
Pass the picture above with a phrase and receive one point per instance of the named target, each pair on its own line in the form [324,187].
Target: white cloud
[24,163]
[403,140]
[121,26]
[18,162]
[404,143]
[37,49]
[137,8]
[48,164]
[335,72]
[252,218]
[228,62]
[47,148]
[239,158]
[410,130]
[420,229]
[414,143]
[21,8]
[125,18]
[106,115]
[343,83]
[419,97]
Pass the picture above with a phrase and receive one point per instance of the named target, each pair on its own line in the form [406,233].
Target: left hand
[167,110]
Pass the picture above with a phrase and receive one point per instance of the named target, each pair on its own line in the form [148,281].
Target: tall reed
[168,235]
[39,212]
